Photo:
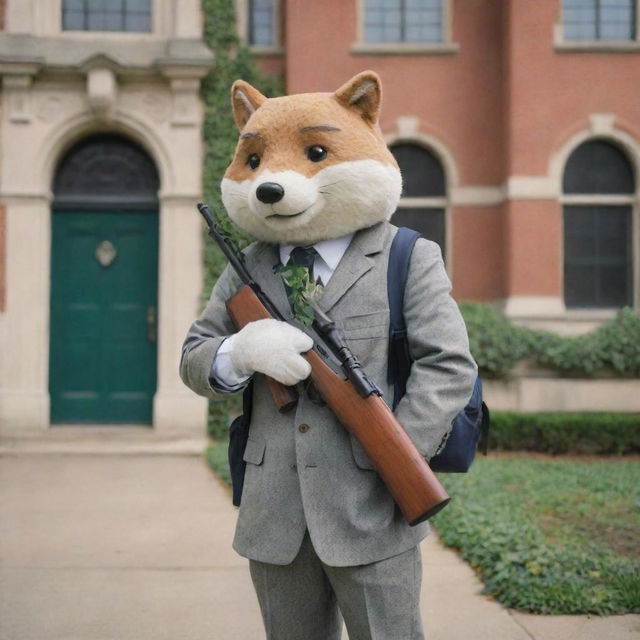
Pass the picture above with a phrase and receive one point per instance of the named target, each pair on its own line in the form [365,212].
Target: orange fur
[356,184]
[278,123]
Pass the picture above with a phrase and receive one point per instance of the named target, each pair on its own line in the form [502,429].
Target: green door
[104,293]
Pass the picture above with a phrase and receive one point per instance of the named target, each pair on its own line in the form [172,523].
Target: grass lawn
[549,535]
[546,535]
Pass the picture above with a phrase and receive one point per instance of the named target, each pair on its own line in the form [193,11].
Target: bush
[498,345]
[595,433]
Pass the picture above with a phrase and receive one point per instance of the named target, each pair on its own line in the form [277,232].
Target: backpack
[470,428]
[238,437]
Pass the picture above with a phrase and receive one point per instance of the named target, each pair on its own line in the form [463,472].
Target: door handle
[152,324]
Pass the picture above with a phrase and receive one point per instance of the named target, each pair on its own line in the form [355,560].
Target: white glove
[272,347]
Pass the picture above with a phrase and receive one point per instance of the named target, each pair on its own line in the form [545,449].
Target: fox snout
[270,192]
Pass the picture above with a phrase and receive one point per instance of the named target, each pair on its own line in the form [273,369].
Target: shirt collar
[331,251]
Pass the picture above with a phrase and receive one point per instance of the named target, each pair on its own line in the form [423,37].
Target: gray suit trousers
[303,600]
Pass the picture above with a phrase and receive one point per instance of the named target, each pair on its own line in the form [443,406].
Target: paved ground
[133,546]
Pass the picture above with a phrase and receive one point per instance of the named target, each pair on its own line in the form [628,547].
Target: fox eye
[254,161]
[316,153]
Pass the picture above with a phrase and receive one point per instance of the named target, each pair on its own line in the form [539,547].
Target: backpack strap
[399,364]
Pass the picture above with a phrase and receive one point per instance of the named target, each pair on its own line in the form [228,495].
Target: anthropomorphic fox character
[312,180]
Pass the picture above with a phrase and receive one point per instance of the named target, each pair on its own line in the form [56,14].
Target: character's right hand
[272,347]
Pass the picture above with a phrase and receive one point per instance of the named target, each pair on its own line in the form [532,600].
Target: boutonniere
[301,291]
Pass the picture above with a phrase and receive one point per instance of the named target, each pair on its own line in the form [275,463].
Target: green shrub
[498,345]
[594,433]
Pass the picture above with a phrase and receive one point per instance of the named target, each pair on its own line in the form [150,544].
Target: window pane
[597,256]
[422,173]
[106,15]
[73,20]
[383,21]
[73,5]
[403,21]
[617,20]
[261,27]
[580,19]
[599,19]
[598,167]
[579,286]
[429,222]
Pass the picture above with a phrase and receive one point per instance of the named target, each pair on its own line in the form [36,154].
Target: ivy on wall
[498,345]
[233,60]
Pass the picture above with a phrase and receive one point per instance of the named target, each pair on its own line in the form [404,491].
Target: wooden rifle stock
[403,469]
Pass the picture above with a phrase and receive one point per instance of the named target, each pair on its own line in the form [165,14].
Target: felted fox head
[311,166]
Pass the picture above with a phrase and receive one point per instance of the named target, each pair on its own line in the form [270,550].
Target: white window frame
[242,23]
[594,46]
[446,47]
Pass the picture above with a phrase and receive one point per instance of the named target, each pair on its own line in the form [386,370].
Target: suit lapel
[271,283]
[354,264]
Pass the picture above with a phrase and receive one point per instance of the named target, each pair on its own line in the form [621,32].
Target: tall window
[423,202]
[599,19]
[598,195]
[106,15]
[262,27]
[403,21]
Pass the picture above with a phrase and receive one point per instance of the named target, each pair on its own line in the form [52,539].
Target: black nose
[270,192]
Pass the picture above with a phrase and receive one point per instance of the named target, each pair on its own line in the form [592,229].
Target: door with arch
[104,284]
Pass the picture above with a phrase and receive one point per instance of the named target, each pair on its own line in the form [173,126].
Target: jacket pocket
[361,459]
[366,325]
[254,453]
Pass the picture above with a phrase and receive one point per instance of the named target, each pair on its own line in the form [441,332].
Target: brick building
[516,124]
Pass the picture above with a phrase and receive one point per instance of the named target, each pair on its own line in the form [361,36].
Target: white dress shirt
[224,376]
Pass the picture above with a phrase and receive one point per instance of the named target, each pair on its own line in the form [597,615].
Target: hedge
[498,345]
[594,433]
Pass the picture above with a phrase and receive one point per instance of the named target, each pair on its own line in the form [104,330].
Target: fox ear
[362,93]
[245,100]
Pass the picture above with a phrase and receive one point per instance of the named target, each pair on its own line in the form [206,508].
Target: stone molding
[531,394]
[187,56]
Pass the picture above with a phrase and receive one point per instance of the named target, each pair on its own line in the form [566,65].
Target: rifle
[356,402]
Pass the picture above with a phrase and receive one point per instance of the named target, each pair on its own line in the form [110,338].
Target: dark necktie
[304,257]
[301,257]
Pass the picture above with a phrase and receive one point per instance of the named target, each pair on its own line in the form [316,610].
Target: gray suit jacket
[320,478]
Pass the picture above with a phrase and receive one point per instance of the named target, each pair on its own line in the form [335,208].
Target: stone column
[177,410]
[24,369]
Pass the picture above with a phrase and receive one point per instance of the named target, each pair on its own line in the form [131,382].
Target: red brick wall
[503,106]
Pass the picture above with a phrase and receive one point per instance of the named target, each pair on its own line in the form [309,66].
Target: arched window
[598,187]
[104,171]
[423,202]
